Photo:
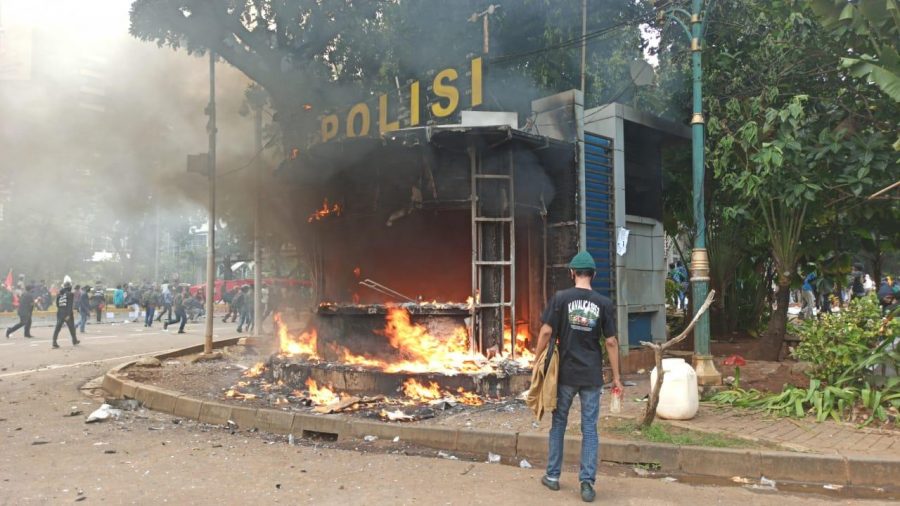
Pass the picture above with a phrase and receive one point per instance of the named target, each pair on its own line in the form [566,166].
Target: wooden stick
[658,349]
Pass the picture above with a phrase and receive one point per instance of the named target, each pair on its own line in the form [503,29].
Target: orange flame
[324,211]
[321,396]
[524,356]
[470,398]
[432,392]
[255,371]
[303,344]
[415,390]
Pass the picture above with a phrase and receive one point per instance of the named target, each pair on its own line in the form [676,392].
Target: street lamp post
[707,375]
[211,234]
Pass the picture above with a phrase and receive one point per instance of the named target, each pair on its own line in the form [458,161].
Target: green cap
[583,260]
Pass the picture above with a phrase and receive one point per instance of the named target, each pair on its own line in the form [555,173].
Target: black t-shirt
[581,318]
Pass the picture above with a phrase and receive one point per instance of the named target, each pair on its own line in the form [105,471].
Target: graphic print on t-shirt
[583,314]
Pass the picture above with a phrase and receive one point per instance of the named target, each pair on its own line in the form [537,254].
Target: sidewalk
[800,435]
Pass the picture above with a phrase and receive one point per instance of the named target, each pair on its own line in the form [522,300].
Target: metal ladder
[503,223]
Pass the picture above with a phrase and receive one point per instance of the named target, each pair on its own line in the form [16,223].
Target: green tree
[790,136]
[870,29]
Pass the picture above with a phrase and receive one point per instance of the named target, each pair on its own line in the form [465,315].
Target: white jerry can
[679,397]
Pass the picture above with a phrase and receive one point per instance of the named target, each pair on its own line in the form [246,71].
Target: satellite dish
[642,73]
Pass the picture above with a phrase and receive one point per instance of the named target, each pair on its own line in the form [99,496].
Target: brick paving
[803,435]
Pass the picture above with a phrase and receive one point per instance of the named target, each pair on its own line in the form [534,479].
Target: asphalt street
[47,457]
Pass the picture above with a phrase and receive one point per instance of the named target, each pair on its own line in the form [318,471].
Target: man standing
[84,308]
[577,319]
[809,298]
[26,307]
[178,306]
[151,300]
[65,304]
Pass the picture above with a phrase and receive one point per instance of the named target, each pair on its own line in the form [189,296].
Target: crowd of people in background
[819,293]
[166,303]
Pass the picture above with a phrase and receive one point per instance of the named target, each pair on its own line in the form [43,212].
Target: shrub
[836,342]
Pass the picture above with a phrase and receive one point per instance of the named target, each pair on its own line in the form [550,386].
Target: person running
[178,307]
[65,305]
[578,319]
[246,309]
[84,308]
[26,307]
[229,299]
[166,304]
[151,301]
[236,303]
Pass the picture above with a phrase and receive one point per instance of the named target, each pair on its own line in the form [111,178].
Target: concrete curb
[694,460]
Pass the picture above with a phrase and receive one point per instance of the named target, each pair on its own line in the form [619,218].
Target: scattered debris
[468,468]
[210,357]
[640,471]
[370,439]
[291,439]
[444,455]
[39,442]
[741,480]
[524,464]
[396,416]
[396,439]
[278,486]
[764,484]
[73,411]
[104,412]
[148,362]
[124,404]
[109,452]
[832,486]
[493,458]
[669,479]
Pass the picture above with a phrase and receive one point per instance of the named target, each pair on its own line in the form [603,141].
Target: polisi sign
[445,87]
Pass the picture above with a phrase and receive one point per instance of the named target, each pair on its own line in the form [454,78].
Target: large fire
[324,211]
[418,351]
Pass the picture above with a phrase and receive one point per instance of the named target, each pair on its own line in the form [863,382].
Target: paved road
[147,458]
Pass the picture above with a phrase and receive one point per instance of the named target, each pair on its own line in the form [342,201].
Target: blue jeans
[148,317]
[590,412]
[82,321]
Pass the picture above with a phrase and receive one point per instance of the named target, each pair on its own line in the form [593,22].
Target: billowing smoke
[95,131]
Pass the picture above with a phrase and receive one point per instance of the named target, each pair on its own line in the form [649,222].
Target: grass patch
[662,433]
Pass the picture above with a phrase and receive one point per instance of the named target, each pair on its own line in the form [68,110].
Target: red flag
[9,280]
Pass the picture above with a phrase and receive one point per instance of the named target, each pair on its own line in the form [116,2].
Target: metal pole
[706,371]
[487,37]
[211,235]
[156,248]
[583,41]
[257,260]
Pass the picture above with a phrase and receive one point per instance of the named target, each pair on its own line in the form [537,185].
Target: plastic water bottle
[615,404]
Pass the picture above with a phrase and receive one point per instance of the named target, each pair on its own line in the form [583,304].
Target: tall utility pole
[257,101]
[211,235]
[707,374]
[583,41]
